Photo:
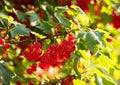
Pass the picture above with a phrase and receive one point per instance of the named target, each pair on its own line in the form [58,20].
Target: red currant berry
[109,40]
[41,15]
[29,71]
[18,83]
[19,58]
[91,53]
[30,83]
[1,41]
[6,45]
[33,67]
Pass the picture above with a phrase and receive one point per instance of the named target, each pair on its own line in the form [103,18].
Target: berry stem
[6,32]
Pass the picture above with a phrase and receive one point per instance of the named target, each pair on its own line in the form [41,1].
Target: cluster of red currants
[55,54]
[34,51]
[31,69]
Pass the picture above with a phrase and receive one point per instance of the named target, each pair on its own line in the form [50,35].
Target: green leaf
[5,74]
[102,70]
[98,81]
[93,41]
[76,60]
[34,18]
[64,21]
[19,30]
[20,15]
[108,82]
[81,40]
[102,62]
[47,43]
[80,45]
[91,8]
[61,9]
[3,23]
[81,16]
[78,9]
[83,19]
[106,18]
[46,27]
[111,71]
[78,82]
[102,36]
[59,14]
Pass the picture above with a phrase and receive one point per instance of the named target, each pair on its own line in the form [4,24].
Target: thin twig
[6,33]
[33,40]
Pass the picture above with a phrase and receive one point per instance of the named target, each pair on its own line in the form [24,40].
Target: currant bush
[52,42]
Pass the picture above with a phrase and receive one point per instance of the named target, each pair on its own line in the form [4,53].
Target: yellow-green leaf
[9,18]
[78,82]
[38,35]
[82,17]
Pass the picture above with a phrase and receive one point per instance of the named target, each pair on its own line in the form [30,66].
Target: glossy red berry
[18,83]
[91,53]
[109,40]
[6,45]
[83,4]
[19,58]
[68,81]
[29,71]
[30,83]
[41,14]
[116,20]
[33,67]
[1,41]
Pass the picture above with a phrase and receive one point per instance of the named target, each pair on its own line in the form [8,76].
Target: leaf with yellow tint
[78,82]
